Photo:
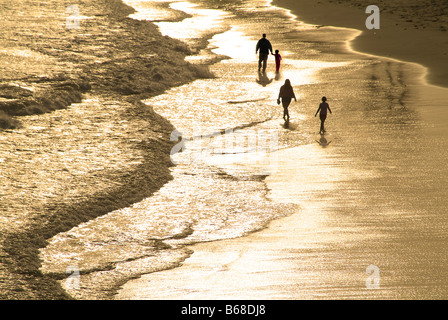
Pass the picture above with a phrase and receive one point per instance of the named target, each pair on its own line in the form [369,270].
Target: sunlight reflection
[153,10]
[202,22]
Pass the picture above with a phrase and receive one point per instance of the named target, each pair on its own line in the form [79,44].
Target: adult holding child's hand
[264,46]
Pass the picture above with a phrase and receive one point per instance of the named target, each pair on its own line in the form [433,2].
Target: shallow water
[54,147]
[370,192]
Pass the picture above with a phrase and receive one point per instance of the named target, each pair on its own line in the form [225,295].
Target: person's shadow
[290,126]
[263,79]
[323,142]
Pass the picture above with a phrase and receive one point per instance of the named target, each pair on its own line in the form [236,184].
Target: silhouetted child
[278,58]
[323,107]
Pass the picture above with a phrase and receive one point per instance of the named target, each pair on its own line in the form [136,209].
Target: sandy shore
[414,31]
[110,59]
[318,253]
[65,167]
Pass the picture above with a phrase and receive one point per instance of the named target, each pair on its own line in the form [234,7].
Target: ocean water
[368,193]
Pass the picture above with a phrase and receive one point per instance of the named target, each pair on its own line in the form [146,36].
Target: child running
[323,107]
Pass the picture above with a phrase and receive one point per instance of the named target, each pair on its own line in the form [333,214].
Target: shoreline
[36,236]
[112,56]
[229,264]
[406,33]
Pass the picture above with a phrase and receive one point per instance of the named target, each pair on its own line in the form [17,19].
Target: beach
[367,195]
[91,182]
[413,31]
[61,90]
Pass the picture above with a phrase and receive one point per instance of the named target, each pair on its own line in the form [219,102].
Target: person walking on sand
[264,46]
[278,58]
[286,94]
[323,107]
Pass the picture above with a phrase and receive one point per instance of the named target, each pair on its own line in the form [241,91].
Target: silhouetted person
[278,58]
[286,94]
[323,107]
[264,46]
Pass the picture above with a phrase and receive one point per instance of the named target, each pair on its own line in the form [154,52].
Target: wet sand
[20,275]
[345,222]
[322,251]
[287,261]
[412,31]
[78,143]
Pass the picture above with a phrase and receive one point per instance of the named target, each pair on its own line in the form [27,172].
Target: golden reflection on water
[154,10]
[359,204]
[203,22]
